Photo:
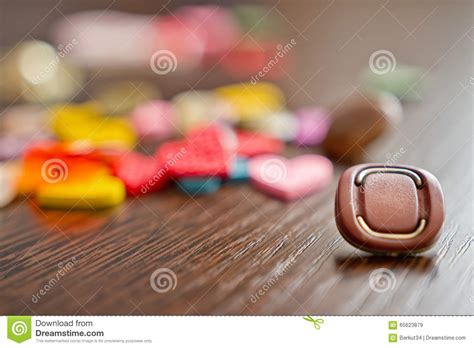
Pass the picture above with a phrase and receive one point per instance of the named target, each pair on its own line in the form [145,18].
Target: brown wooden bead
[359,122]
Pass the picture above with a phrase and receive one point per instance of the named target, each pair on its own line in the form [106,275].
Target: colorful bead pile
[130,140]
[232,135]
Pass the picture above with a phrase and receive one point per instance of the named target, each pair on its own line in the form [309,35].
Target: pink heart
[313,124]
[154,120]
[290,179]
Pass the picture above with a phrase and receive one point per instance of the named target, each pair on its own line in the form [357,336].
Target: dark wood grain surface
[240,252]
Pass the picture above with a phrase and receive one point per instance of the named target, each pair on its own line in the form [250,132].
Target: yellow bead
[85,122]
[199,108]
[99,192]
[66,118]
[115,132]
[253,100]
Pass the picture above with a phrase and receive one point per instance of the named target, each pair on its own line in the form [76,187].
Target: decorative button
[389,209]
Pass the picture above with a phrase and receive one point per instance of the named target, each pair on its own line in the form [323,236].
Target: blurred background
[105,43]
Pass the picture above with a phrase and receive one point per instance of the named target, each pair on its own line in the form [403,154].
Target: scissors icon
[316,322]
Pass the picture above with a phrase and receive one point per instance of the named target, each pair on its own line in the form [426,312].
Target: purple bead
[12,146]
[313,125]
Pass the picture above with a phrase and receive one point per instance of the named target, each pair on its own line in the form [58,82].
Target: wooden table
[240,252]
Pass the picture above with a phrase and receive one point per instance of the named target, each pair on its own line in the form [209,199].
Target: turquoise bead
[240,170]
[199,185]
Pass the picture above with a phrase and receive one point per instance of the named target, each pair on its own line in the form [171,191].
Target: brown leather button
[389,209]
[390,203]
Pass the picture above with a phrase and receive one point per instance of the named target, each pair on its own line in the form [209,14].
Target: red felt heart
[252,144]
[140,174]
[205,152]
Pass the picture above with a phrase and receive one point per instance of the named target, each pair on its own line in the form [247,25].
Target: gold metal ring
[359,180]
[421,226]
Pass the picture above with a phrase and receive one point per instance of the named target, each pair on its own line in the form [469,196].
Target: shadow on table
[371,262]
